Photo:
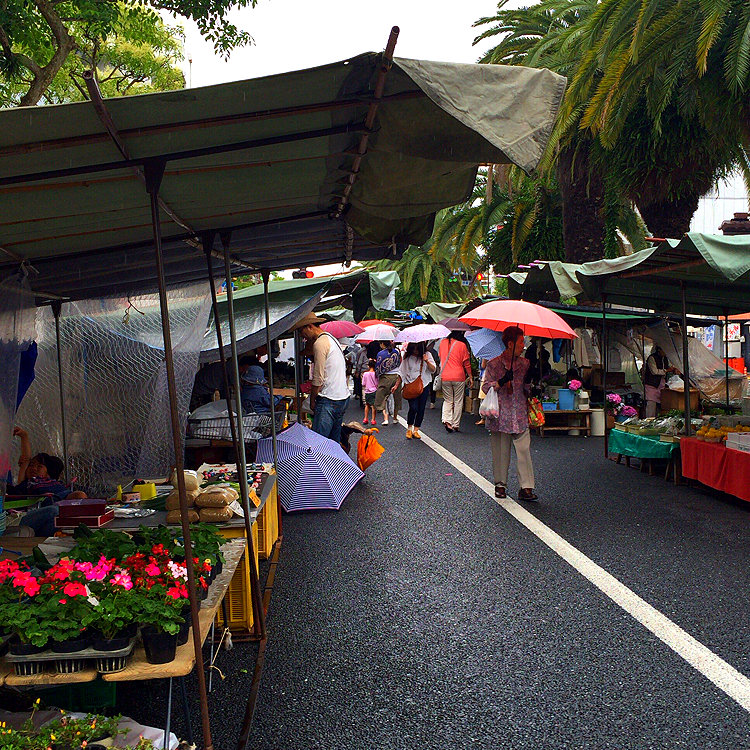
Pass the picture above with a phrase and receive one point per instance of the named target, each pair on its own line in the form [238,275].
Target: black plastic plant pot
[182,633]
[19,648]
[72,645]
[160,647]
[100,643]
[218,567]
[131,631]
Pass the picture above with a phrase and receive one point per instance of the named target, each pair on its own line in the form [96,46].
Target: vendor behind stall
[654,379]
[39,475]
[256,396]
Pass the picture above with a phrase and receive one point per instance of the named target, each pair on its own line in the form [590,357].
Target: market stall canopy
[545,278]
[714,268]
[268,161]
[439,311]
[292,299]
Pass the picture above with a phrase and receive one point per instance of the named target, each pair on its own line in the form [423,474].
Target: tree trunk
[582,191]
[669,219]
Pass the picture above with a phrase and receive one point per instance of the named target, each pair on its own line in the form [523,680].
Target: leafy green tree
[44,42]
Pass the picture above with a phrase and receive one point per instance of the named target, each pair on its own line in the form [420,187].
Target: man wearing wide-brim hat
[329,395]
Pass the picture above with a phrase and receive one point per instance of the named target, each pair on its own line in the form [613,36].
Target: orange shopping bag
[369,450]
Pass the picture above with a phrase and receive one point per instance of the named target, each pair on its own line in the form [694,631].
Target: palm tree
[647,85]
[651,133]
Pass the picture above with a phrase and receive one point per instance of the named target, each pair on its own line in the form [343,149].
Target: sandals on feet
[500,492]
[528,494]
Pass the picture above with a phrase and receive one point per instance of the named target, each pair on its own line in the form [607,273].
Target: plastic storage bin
[566,399]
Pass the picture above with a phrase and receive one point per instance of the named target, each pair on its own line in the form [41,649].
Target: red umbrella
[341,329]
[534,320]
[366,323]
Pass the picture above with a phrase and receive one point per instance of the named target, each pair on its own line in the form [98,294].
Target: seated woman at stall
[256,396]
[39,475]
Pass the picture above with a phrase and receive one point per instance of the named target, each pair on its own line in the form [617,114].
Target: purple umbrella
[422,332]
[341,329]
[454,324]
[313,472]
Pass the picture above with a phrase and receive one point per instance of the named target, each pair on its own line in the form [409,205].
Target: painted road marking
[711,666]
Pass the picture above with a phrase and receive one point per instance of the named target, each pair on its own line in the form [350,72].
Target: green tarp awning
[714,268]
[262,161]
[292,299]
[438,311]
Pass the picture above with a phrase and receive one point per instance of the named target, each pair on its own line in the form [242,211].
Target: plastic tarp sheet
[117,413]
[16,335]
[707,372]
[438,311]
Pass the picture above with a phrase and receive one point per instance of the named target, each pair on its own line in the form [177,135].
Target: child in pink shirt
[369,386]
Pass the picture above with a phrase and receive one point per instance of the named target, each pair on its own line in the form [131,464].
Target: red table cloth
[716,466]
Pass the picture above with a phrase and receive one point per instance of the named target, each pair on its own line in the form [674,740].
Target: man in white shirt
[329,396]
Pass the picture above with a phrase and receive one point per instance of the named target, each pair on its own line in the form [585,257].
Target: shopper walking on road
[329,395]
[370,386]
[387,368]
[416,374]
[454,372]
[507,375]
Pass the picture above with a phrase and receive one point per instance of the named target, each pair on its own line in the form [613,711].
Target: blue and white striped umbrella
[485,344]
[313,472]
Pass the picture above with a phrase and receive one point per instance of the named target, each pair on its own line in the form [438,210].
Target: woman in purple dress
[507,375]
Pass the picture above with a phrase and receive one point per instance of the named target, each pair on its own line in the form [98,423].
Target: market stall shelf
[565,420]
[138,668]
[717,466]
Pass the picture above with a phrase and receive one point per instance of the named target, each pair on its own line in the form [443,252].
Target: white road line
[722,674]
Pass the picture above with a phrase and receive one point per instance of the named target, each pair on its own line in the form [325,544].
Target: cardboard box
[93,522]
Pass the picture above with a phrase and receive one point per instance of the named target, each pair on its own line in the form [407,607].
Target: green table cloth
[639,446]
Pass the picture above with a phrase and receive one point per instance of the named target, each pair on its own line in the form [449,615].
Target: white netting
[115,386]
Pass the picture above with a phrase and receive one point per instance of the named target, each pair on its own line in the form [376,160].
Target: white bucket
[598,422]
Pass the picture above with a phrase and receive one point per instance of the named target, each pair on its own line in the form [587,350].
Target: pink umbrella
[534,320]
[341,329]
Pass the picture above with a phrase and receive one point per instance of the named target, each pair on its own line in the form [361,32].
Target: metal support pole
[297,376]
[168,727]
[207,249]
[259,621]
[186,711]
[56,308]
[685,360]
[726,355]
[154,174]
[604,371]
[266,277]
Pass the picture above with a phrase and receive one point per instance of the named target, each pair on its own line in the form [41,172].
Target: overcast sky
[295,34]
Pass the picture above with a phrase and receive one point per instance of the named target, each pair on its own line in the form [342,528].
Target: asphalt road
[422,615]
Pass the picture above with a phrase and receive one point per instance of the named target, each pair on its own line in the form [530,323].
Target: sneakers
[385,421]
[415,434]
[409,434]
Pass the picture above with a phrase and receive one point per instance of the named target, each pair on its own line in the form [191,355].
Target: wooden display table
[564,420]
[138,668]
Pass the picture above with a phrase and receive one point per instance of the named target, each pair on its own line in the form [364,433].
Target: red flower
[63,601]
[75,589]
[152,569]
[177,592]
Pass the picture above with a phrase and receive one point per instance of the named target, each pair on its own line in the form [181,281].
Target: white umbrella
[422,332]
[378,332]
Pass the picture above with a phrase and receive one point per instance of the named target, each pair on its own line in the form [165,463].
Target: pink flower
[575,385]
[122,579]
[152,569]
[75,589]
[32,587]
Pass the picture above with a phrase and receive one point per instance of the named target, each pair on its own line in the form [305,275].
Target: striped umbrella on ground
[313,472]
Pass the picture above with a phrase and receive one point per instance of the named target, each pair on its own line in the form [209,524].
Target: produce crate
[268,526]
[549,405]
[238,599]
[256,426]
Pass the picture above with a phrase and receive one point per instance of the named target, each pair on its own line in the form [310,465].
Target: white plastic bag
[490,407]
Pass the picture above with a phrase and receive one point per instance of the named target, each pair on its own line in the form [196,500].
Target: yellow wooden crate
[238,598]
[268,525]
